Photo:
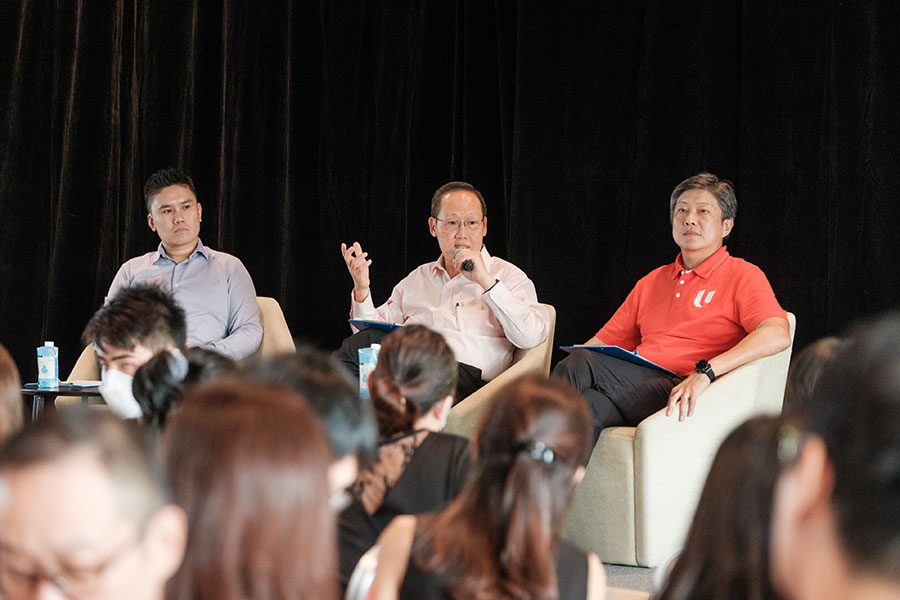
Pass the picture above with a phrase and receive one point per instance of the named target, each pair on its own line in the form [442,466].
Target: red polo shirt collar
[705,268]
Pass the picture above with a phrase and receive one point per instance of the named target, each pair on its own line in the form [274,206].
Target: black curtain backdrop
[307,124]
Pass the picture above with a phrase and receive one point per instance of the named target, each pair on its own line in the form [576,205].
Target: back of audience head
[531,449]
[805,372]
[248,462]
[11,417]
[136,324]
[416,374]
[327,388]
[841,501]
[84,511]
[161,382]
[726,554]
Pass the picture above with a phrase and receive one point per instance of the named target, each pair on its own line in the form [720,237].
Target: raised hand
[358,265]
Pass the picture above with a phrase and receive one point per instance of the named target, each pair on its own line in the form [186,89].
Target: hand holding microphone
[467,264]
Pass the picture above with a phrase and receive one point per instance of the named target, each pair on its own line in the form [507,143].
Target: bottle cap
[48,344]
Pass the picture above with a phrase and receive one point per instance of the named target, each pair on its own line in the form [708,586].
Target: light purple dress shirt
[214,289]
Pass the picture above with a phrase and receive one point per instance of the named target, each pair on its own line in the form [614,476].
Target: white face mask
[115,387]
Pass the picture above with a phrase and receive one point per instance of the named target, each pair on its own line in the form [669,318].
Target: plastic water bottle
[368,358]
[48,366]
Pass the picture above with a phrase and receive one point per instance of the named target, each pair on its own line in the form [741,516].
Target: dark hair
[120,447]
[416,369]
[721,189]
[163,179]
[248,463]
[161,382]
[11,417]
[857,414]
[452,187]
[141,314]
[806,369]
[327,387]
[726,554]
[499,537]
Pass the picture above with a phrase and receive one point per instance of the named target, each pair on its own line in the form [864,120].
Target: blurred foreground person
[417,468]
[806,370]
[126,332]
[327,388]
[249,462]
[160,383]
[501,537]
[836,516]
[83,513]
[726,555]
[11,416]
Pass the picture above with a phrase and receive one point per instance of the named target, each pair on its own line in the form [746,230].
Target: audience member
[348,420]
[417,469]
[126,332]
[726,555]
[160,383]
[484,306]
[11,417]
[836,516]
[248,461]
[500,538]
[699,317]
[84,513]
[213,288]
[806,369]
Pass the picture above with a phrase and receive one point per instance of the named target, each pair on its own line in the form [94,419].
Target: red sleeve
[622,329]
[756,301]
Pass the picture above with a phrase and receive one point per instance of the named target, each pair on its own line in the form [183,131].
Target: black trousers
[468,380]
[618,392]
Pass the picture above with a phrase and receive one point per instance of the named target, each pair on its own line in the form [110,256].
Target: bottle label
[48,367]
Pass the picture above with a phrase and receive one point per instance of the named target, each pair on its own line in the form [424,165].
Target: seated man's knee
[573,366]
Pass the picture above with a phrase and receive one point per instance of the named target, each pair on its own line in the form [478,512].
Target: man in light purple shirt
[484,306]
[213,288]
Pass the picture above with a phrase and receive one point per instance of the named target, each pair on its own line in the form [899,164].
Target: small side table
[37,399]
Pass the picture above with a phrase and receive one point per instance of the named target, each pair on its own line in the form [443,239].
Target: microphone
[467,265]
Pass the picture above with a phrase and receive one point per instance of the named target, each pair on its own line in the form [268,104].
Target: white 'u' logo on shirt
[700,298]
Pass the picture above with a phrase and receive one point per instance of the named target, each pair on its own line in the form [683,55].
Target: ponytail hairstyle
[416,369]
[500,536]
[161,382]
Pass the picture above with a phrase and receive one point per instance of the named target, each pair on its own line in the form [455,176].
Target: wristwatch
[703,366]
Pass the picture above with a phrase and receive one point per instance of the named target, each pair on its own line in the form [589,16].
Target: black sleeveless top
[571,577]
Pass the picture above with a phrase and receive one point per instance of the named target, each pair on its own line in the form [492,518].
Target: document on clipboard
[379,325]
[620,353]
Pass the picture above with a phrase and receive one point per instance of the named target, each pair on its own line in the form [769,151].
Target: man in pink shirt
[484,306]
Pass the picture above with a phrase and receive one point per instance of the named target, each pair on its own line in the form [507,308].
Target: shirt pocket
[478,320]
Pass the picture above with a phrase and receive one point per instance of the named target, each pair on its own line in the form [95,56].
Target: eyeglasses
[453,224]
[73,582]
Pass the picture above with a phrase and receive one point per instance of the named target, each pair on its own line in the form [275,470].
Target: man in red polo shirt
[700,317]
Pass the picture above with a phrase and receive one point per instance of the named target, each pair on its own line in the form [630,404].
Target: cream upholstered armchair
[642,484]
[465,416]
[276,340]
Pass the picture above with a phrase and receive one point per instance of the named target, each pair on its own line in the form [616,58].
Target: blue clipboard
[379,325]
[622,354]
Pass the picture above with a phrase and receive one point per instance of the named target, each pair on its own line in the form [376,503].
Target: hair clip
[790,439]
[538,451]
[178,364]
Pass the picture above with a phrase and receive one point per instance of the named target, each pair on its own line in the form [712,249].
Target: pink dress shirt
[482,328]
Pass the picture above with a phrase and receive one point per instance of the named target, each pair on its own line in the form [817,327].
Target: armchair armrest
[465,416]
[672,459]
